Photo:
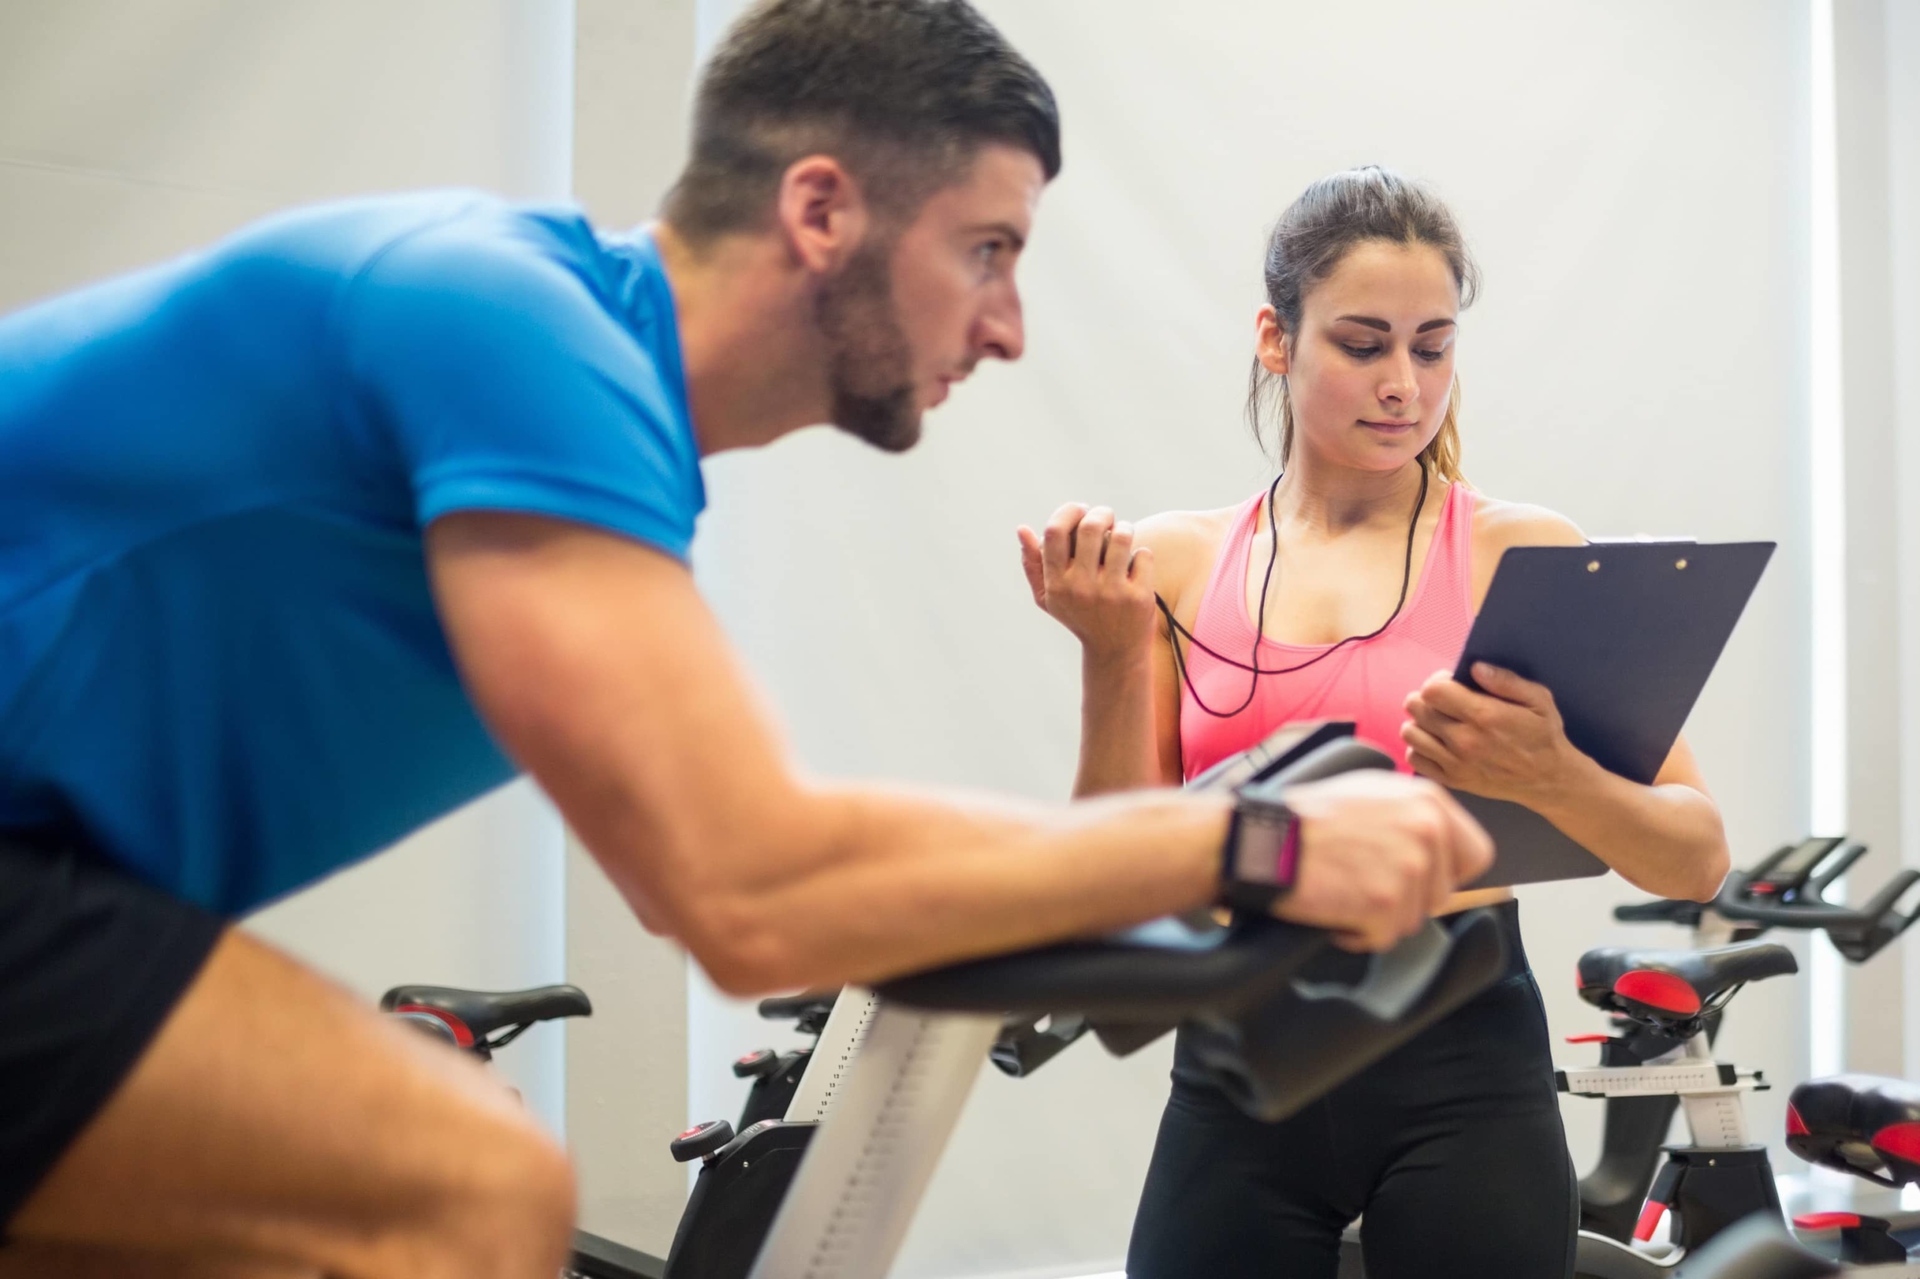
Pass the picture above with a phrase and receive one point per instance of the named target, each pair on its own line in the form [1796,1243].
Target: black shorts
[92,961]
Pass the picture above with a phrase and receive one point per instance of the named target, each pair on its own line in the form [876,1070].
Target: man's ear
[822,213]
[1270,341]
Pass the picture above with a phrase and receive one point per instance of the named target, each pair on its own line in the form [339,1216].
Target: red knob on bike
[702,1139]
[757,1064]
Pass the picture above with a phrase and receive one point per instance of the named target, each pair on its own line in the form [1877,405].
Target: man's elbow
[743,948]
[723,896]
[1709,876]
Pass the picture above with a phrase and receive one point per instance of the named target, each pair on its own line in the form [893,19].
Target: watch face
[1263,836]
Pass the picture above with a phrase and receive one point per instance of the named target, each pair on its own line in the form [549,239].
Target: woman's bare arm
[1509,743]
[1098,576]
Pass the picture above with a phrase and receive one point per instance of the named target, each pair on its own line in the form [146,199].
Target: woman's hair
[1329,219]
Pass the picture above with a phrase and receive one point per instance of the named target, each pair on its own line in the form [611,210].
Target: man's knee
[510,1211]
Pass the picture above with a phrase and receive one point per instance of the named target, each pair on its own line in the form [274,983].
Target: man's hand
[1380,853]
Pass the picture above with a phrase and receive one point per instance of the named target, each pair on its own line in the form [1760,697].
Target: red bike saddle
[1672,987]
[482,1012]
[1860,1124]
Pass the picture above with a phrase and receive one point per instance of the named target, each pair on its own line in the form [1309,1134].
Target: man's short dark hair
[902,92]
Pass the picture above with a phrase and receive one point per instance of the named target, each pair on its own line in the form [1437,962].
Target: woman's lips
[1390,428]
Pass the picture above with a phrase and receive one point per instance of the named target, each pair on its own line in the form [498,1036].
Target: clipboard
[1625,635]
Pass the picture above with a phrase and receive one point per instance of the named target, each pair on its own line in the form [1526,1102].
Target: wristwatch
[1261,855]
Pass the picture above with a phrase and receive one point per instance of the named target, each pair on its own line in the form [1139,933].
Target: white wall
[129,132]
[1869,346]
[1902,157]
[627,1067]
[1633,176]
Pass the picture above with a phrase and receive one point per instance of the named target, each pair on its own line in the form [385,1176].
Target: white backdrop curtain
[1633,178]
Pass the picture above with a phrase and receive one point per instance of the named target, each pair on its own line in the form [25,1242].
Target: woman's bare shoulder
[1499,524]
[1180,535]
[1184,546]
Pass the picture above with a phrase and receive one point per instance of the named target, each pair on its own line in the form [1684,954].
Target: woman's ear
[1270,341]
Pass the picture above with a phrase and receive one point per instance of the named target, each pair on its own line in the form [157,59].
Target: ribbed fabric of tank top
[1366,682]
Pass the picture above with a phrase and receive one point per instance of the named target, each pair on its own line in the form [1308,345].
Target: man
[311,537]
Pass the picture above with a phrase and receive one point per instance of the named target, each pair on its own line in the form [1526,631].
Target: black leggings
[1451,1146]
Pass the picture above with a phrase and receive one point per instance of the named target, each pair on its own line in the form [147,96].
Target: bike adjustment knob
[701,1139]
[757,1064]
[428,1024]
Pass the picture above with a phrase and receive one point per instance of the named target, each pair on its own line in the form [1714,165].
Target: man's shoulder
[538,276]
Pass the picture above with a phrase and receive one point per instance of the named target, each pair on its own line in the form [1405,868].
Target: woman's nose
[1400,385]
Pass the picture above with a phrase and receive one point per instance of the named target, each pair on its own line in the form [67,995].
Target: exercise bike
[1869,1127]
[1666,1005]
[893,1067]
[776,1075]
[1758,1249]
[830,1190]
[1658,1058]
[1787,890]
[1858,1124]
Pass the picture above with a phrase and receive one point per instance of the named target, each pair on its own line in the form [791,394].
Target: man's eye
[990,250]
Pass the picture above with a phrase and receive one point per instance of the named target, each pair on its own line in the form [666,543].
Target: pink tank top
[1366,682]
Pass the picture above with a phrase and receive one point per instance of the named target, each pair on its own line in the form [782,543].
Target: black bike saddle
[812,1005]
[482,1012]
[1861,1124]
[1669,987]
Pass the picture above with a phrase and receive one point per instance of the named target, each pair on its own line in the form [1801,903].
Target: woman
[1346,590]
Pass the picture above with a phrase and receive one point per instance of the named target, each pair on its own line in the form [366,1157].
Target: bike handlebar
[1273,1030]
[1788,890]
[1660,912]
[1858,934]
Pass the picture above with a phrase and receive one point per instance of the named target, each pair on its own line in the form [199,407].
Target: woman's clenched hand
[1087,574]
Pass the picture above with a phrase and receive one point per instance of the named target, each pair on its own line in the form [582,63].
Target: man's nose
[1003,332]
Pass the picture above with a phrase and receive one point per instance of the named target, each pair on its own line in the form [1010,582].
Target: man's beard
[869,364]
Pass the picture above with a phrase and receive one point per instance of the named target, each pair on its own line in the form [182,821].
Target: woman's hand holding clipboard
[1503,739]
[1623,635]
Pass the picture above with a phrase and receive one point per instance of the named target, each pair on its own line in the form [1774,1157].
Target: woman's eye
[1432,357]
[1359,352]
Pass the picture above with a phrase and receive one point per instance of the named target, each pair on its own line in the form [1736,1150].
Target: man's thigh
[91,963]
[273,1117]
[74,1261]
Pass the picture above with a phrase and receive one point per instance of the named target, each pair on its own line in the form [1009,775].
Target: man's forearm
[602,672]
[903,881]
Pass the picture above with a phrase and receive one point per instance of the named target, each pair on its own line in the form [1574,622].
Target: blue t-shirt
[218,655]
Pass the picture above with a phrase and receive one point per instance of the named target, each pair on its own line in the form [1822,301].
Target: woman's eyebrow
[1373,323]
